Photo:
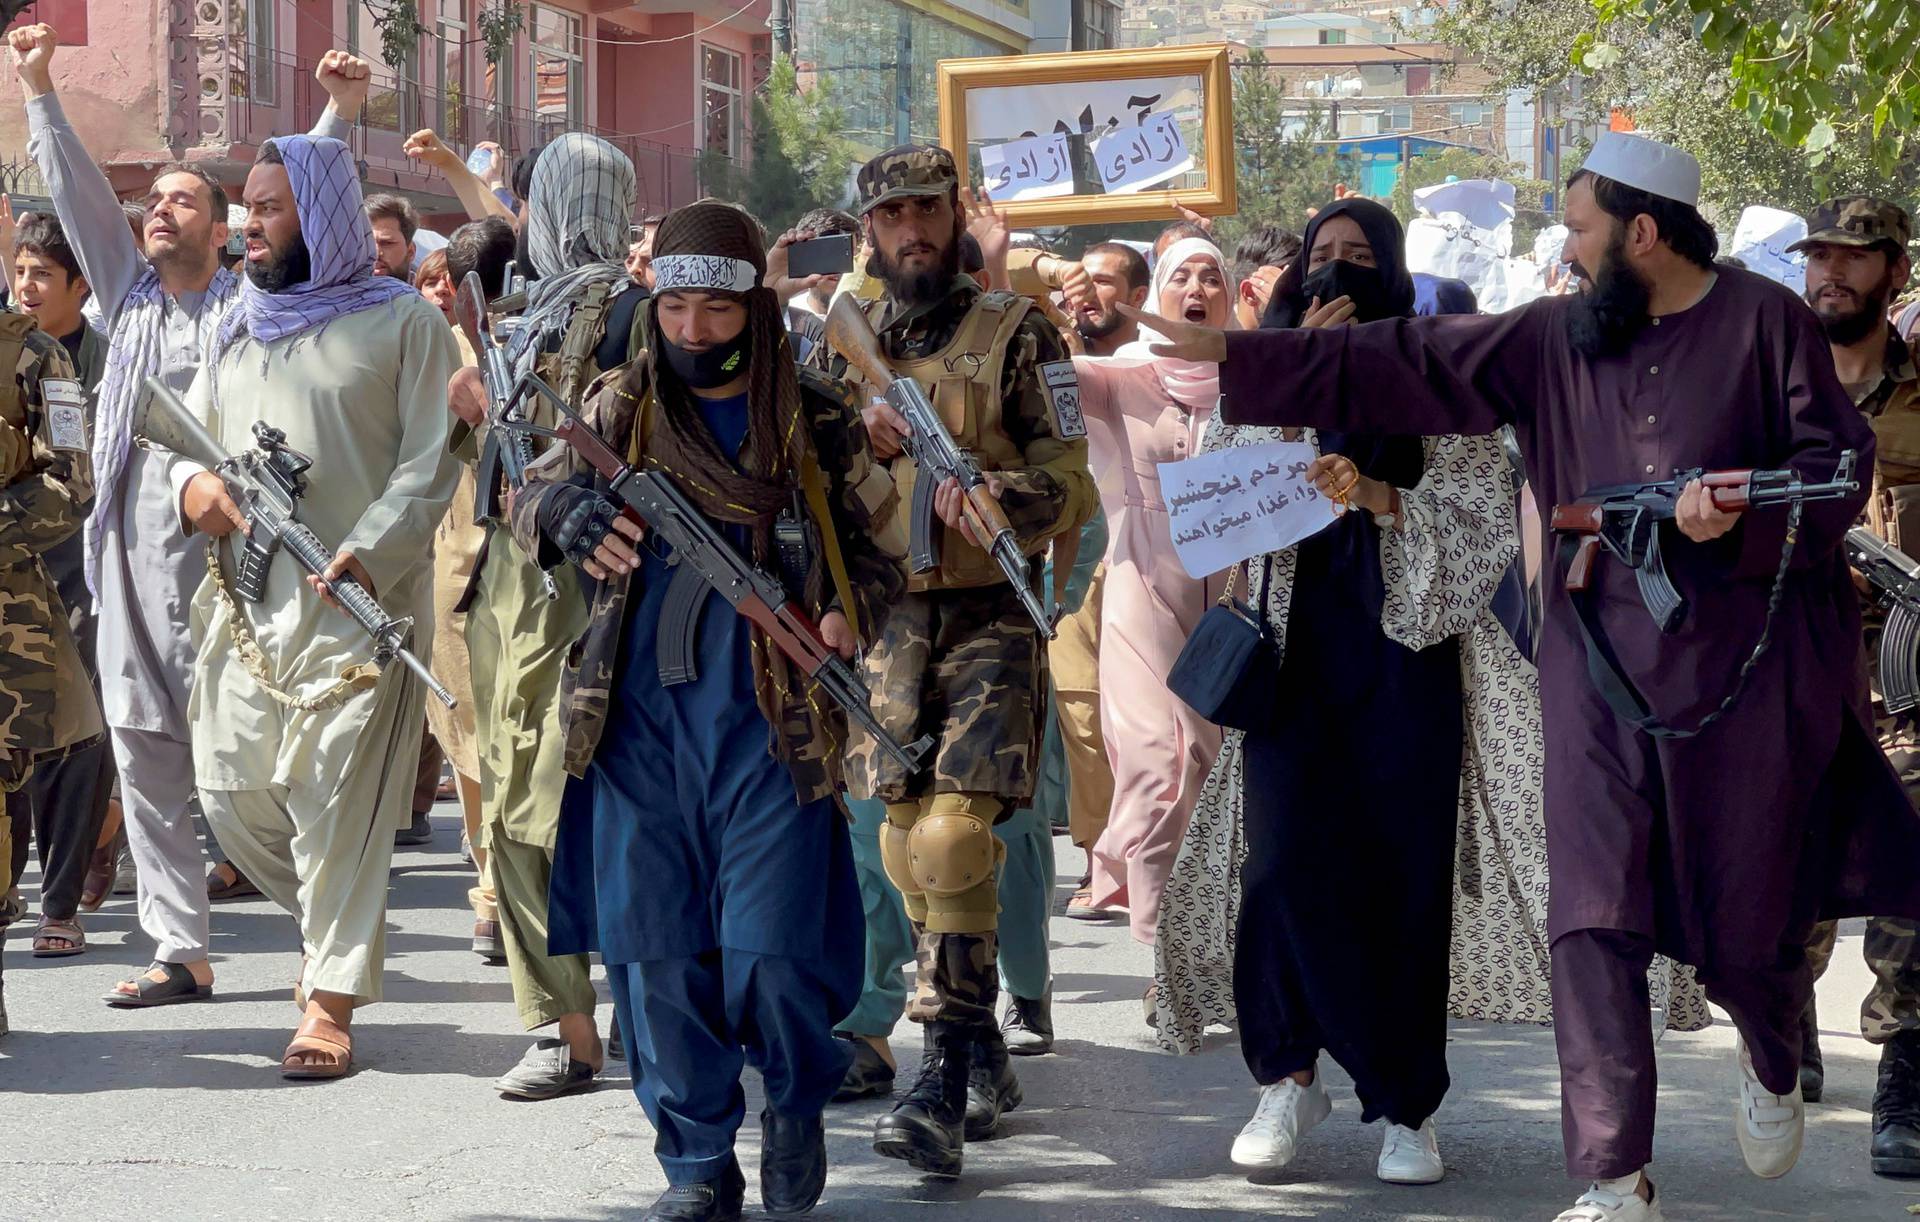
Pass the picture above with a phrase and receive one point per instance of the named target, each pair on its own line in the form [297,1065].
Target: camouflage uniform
[47,705]
[959,658]
[1892,406]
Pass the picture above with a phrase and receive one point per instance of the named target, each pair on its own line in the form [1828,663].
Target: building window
[254,77]
[1469,114]
[559,74]
[1333,38]
[390,104]
[722,129]
[451,27]
[1397,118]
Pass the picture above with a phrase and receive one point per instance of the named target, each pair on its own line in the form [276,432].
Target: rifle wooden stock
[851,335]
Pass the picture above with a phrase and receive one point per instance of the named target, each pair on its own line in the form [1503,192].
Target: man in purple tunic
[1719,848]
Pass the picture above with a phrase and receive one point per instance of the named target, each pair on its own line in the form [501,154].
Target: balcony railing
[274,94]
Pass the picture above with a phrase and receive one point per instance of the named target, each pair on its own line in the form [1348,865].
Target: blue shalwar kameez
[726,912]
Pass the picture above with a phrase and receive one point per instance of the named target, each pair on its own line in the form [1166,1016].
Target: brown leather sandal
[318,1033]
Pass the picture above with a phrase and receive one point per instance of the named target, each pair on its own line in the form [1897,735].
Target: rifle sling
[1612,682]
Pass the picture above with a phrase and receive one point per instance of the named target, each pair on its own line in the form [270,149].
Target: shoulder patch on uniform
[1063,393]
[66,404]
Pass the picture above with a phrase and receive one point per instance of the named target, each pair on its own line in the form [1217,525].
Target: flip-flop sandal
[318,1033]
[179,986]
[546,1072]
[66,931]
[239,888]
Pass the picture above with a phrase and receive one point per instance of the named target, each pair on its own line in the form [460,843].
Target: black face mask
[1344,278]
[717,366]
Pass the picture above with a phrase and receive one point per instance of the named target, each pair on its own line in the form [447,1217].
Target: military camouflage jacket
[1054,494]
[1892,407]
[872,544]
[47,702]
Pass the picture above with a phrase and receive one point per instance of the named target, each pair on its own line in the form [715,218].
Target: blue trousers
[692,1023]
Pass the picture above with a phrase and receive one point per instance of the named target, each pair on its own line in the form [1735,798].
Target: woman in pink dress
[1142,410]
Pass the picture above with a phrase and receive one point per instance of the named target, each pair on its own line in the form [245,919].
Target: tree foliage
[1282,172]
[799,156]
[1676,88]
[1815,74]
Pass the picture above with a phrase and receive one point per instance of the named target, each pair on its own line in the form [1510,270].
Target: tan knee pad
[896,857]
[954,855]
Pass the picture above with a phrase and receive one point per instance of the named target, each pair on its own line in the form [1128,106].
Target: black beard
[1847,330]
[917,288]
[1603,320]
[283,270]
[1101,327]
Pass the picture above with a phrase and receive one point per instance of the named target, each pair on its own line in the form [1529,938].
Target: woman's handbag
[1226,669]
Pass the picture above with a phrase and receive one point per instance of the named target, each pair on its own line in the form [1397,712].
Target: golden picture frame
[1207,63]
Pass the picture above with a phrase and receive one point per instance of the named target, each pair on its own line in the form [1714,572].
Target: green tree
[1676,89]
[1282,172]
[1820,75]
[799,156]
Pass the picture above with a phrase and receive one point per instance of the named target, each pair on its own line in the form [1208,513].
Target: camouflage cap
[906,171]
[1856,220]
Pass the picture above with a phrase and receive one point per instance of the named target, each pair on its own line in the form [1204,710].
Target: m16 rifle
[1895,578]
[507,452]
[703,558]
[267,483]
[938,458]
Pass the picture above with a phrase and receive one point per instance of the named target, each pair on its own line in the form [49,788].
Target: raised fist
[346,79]
[33,53]
[425,146]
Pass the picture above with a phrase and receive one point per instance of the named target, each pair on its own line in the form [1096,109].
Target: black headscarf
[1387,289]
[1350,547]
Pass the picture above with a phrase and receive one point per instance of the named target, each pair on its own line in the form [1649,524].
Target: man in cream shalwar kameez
[354,369]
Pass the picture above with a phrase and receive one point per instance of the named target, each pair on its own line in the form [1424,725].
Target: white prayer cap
[1658,169]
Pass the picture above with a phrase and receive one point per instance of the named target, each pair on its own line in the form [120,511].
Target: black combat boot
[928,1127]
[992,1090]
[716,1200]
[1813,1069]
[1028,1026]
[1896,1107]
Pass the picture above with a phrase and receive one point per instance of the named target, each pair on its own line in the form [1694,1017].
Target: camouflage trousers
[956,978]
[966,667]
[1891,947]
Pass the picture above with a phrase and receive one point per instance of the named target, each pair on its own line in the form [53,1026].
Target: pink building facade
[666,81]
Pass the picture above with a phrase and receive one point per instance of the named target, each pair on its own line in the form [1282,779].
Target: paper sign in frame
[1207,61]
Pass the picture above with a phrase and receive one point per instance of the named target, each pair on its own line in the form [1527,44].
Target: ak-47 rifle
[1895,579]
[703,559]
[938,458]
[1625,519]
[267,483]
[507,452]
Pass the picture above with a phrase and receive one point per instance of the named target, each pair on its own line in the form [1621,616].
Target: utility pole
[903,80]
[780,24]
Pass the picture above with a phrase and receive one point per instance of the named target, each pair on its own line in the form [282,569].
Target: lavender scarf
[133,356]
[326,193]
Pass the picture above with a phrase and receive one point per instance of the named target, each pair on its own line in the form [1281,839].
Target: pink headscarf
[1195,385]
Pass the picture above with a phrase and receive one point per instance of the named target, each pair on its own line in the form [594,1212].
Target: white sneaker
[1598,1204]
[1410,1156]
[1770,1127]
[1287,1110]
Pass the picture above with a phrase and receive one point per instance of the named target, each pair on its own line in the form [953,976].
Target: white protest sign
[1010,112]
[1464,232]
[1135,158]
[1761,239]
[1238,503]
[1038,168]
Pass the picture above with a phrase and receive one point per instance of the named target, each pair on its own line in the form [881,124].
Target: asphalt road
[178,1113]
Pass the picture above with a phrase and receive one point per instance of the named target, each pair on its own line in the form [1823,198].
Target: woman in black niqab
[1352,784]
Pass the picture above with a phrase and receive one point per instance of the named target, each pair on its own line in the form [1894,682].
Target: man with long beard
[161,294]
[1708,795]
[959,659]
[303,749]
[1856,265]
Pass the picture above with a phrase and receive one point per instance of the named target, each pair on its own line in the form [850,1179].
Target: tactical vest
[1893,512]
[963,379]
[16,431]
